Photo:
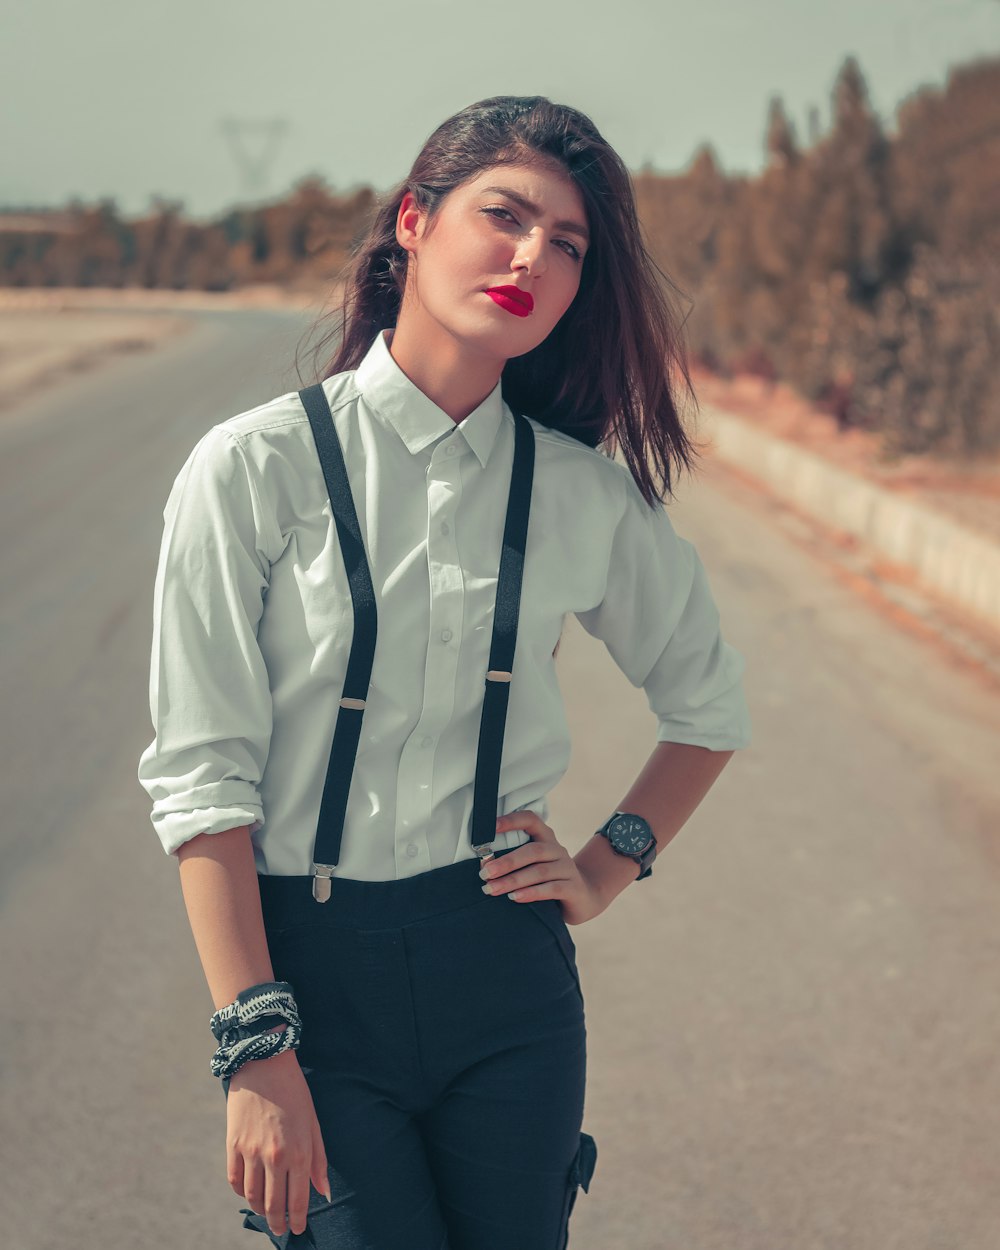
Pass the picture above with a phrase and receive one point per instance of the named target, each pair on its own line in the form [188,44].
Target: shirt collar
[417,419]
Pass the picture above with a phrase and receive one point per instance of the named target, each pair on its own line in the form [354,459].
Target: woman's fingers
[516,882]
[253,1185]
[234,1169]
[276,1197]
[529,822]
[277,1193]
[320,1169]
[298,1197]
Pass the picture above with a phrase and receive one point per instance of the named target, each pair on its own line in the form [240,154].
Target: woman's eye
[570,249]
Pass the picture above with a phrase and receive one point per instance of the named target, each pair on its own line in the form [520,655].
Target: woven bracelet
[267,1001]
[228,1059]
[242,1027]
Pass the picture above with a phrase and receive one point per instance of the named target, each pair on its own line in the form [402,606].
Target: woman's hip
[417,993]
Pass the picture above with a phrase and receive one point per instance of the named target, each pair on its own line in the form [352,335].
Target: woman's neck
[454,378]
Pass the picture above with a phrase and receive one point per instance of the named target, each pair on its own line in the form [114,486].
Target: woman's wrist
[246,1073]
[607,872]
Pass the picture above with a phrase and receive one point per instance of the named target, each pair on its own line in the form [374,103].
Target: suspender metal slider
[321,881]
[484,851]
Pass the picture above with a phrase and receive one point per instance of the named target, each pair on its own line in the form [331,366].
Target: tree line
[864,269]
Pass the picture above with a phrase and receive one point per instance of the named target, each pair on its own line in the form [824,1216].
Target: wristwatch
[631,835]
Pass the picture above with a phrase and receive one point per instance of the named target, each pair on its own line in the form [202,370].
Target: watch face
[630,834]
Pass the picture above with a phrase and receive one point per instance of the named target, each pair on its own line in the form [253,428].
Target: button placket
[414,796]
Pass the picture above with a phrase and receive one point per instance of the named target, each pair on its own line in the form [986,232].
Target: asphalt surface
[793,1025]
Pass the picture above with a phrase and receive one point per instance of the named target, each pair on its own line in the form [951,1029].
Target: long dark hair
[606,373]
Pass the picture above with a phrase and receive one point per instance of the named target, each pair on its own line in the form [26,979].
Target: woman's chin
[486,337]
[519,335]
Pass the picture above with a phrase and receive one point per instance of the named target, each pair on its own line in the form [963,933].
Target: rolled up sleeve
[660,623]
[209,694]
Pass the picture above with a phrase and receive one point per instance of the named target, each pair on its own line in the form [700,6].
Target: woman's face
[512,225]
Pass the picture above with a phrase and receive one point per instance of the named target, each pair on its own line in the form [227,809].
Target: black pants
[444,1042]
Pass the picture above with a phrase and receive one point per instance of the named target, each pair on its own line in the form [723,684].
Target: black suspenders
[347,732]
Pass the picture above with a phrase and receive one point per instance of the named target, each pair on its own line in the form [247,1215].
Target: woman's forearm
[219,883]
[674,780]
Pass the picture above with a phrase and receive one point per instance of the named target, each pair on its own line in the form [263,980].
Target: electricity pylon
[254,145]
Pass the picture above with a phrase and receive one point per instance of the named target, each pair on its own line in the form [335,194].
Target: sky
[222,102]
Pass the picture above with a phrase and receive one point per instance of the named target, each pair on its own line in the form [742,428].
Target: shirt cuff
[733,739]
[175,828]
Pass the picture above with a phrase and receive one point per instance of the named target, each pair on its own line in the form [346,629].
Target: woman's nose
[530,255]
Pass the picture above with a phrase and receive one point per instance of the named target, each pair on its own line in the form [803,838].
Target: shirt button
[446,635]
[451,450]
[445,527]
[411,849]
[425,742]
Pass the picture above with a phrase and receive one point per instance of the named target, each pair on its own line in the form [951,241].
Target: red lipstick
[516,301]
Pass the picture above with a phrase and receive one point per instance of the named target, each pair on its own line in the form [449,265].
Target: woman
[359,598]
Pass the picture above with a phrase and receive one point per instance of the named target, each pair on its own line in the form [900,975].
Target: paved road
[793,1025]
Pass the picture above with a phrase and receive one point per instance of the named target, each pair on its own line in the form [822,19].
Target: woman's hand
[542,868]
[274,1146]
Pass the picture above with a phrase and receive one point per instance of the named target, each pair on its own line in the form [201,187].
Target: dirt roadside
[46,333]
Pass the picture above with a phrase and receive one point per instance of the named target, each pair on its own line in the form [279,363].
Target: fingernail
[488,888]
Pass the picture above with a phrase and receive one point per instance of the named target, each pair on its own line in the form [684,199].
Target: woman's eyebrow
[571,227]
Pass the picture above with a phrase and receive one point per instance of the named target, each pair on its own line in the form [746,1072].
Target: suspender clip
[321,882]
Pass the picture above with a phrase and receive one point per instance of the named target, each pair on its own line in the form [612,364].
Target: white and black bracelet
[228,1060]
[242,1027]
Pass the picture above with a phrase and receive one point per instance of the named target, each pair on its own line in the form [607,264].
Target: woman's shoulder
[266,421]
[266,454]
[582,467]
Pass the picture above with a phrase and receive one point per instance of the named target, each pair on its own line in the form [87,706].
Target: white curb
[956,562]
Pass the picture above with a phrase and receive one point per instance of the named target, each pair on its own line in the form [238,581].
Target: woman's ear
[409,222]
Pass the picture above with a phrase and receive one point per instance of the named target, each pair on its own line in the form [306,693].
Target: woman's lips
[512,299]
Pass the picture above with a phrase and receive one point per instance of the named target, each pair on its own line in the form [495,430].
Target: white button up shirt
[253,622]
